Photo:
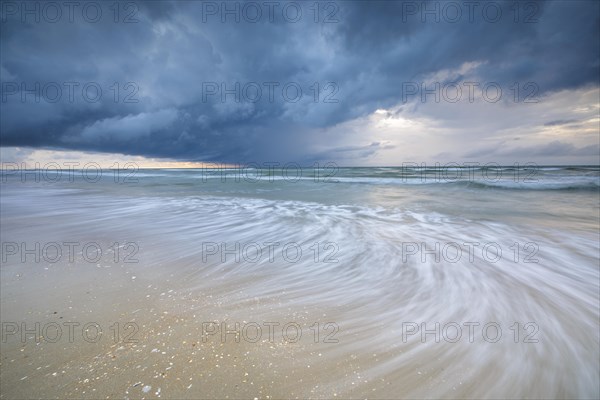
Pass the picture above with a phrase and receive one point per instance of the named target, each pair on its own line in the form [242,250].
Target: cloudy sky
[353,82]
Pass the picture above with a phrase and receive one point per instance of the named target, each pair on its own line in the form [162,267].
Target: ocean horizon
[328,199]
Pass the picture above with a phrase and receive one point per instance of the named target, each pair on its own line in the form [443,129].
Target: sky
[181,83]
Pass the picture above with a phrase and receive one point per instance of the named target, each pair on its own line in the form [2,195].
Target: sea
[289,281]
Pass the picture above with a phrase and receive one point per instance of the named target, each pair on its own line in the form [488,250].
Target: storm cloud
[240,82]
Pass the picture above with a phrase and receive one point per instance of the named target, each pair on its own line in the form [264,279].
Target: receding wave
[371,254]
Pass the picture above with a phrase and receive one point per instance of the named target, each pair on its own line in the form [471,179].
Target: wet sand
[363,304]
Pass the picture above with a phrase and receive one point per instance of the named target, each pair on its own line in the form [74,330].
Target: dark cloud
[166,59]
[561,122]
